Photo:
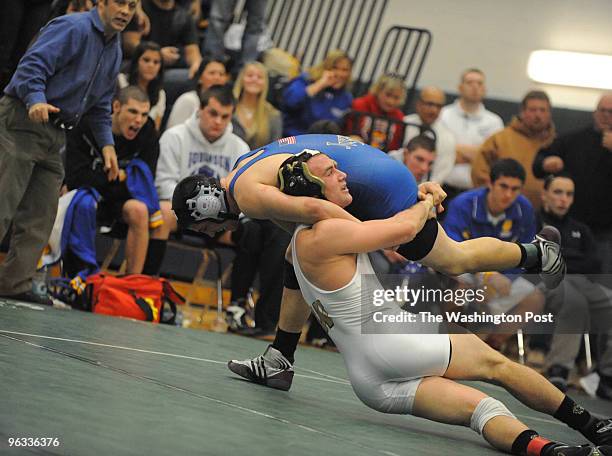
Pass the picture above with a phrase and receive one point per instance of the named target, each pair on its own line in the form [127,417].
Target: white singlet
[384,369]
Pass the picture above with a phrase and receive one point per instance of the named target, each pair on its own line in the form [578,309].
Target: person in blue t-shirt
[500,211]
[68,72]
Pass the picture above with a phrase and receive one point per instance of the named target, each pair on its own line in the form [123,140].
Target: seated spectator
[419,156]
[579,304]
[318,94]
[499,210]
[471,123]
[204,144]
[587,155]
[427,115]
[210,73]
[136,143]
[385,98]
[255,120]
[174,29]
[221,15]
[146,71]
[521,140]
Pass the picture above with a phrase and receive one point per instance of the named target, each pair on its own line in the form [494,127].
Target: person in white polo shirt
[471,123]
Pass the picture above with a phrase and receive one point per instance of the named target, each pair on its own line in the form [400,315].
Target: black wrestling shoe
[562,449]
[548,242]
[270,369]
[599,431]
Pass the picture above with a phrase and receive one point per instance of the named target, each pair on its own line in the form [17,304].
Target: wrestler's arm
[339,237]
[269,203]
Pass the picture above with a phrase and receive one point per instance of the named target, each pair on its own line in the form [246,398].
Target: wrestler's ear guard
[295,178]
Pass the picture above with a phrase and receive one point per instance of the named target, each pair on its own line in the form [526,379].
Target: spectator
[20,20]
[471,124]
[428,107]
[135,138]
[67,73]
[579,304]
[318,94]
[221,14]
[174,29]
[261,247]
[386,96]
[419,156]
[210,73]
[255,120]
[61,7]
[520,140]
[587,155]
[499,210]
[146,71]
[204,144]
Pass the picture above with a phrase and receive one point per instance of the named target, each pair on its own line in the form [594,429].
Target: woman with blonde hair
[318,94]
[255,120]
[384,99]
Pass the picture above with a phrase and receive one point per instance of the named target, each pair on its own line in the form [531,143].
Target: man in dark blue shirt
[68,73]
[500,211]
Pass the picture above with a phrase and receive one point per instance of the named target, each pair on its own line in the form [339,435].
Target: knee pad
[290,280]
[485,410]
[422,244]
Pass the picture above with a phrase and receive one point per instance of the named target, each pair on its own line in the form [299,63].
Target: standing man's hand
[607,139]
[111,167]
[39,112]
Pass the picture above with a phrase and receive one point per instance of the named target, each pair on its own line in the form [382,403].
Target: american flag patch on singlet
[288,140]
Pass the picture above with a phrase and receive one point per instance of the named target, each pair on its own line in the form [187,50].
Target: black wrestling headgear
[295,178]
[199,199]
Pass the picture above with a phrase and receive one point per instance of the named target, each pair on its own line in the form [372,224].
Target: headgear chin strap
[296,179]
[200,198]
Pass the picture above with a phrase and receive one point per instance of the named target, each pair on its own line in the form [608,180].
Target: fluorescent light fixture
[571,68]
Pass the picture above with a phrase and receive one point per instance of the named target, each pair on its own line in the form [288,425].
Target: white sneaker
[590,383]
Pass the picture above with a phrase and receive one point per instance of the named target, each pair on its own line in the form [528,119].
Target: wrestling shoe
[270,369]
[599,432]
[571,450]
[548,242]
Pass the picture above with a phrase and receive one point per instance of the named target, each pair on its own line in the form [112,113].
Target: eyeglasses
[605,111]
[431,104]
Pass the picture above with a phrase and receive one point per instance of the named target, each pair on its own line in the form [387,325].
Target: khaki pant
[31,173]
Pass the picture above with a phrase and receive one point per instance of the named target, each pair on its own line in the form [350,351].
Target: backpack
[136,296]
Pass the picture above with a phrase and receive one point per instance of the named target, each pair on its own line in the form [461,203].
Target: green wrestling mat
[106,386]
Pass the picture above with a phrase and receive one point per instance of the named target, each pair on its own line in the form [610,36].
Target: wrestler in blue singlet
[380,185]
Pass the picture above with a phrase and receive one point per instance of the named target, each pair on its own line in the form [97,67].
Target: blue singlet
[380,185]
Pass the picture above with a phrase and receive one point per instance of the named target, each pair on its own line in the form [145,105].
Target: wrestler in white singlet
[384,369]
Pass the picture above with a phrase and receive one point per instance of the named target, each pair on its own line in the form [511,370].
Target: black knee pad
[290,280]
[422,244]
